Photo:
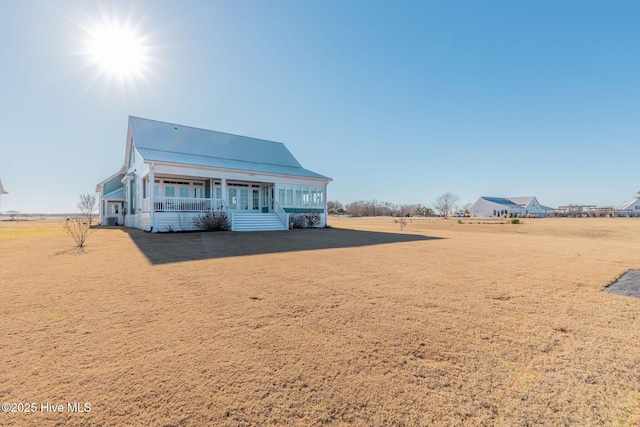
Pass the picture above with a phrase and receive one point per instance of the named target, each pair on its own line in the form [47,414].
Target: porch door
[255,199]
[267,198]
[244,199]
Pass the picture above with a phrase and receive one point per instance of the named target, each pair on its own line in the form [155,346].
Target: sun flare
[117,51]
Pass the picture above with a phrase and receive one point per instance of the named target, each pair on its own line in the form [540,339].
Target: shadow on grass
[178,247]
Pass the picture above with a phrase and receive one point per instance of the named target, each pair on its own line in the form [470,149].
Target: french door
[244,199]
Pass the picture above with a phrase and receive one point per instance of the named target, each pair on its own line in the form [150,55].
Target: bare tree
[402,221]
[446,203]
[335,207]
[79,230]
[88,205]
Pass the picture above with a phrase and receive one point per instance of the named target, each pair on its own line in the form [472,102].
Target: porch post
[101,210]
[152,205]
[326,211]
[223,190]
[211,194]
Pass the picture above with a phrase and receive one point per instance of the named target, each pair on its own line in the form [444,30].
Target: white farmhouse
[173,173]
[630,208]
[488,207]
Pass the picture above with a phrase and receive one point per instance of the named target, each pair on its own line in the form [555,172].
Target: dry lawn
[361,324]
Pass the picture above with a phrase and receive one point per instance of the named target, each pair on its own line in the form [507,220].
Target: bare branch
[88,205]
[79,230]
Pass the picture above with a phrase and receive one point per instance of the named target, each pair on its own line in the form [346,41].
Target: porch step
[245,221]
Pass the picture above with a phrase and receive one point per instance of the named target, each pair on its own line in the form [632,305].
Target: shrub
[79,230]
[515,221]
[313,219]
[298,221]
[211,221]
[308,220]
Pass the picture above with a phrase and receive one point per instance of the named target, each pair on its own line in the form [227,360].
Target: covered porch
[172,202]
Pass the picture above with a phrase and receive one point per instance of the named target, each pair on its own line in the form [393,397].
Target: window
[305,196]
[297,196]
[169,191]
[197,192]
[289,195]
[183,192]
[314,197]
[218,193]
[281,195]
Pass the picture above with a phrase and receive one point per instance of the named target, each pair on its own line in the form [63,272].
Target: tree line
[445,204]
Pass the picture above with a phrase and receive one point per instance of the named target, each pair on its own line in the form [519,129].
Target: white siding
[140,170]
[174,221]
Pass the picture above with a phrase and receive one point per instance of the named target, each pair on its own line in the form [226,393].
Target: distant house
[630,208]
[172,173]
[487,207]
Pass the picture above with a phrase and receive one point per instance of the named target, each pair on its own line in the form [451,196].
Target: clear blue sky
[397,101]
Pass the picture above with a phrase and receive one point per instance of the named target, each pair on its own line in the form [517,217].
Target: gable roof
[627,205]
[166,142]
[522,201]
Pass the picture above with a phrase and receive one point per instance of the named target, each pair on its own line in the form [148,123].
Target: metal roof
[216,162]
[166,142]
[500,201]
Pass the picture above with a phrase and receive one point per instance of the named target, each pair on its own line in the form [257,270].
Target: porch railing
[184,204]
[281,213]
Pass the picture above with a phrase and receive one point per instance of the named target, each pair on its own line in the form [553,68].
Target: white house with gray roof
[173,173]
[487,207]
[630,208]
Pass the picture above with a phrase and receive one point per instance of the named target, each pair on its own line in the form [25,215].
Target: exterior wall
[174,221]
[534,208]
[140,221]
[484,209]
[139,169]
[113,184]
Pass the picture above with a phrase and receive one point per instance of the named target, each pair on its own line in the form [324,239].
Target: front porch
[178,214]
[172,202]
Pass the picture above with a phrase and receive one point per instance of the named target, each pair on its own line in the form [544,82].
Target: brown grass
[362,324]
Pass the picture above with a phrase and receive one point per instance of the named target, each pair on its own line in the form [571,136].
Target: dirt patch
[364,324]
